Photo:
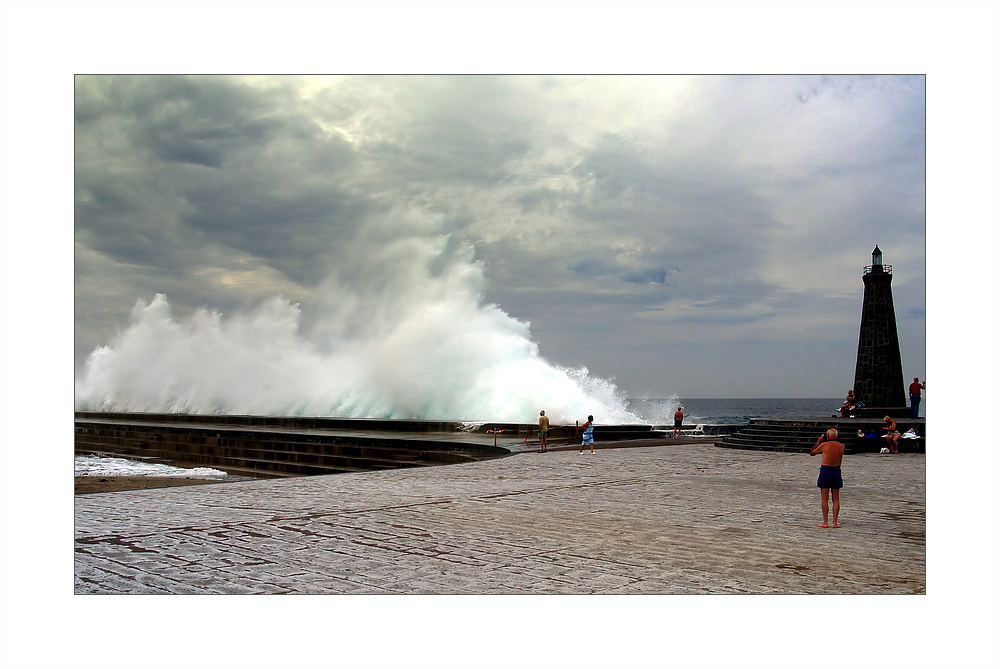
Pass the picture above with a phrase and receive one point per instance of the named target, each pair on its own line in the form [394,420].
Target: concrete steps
[798,435]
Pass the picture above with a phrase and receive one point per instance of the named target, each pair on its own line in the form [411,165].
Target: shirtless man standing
[829,473]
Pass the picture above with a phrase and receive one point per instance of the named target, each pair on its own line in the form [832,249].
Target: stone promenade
[665,519]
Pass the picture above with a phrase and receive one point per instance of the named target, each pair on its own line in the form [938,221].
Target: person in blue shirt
[588,435]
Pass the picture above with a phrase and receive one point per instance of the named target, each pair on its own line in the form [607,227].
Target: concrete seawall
[269,447]
[279,446]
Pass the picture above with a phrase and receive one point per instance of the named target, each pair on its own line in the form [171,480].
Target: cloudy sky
[702,236]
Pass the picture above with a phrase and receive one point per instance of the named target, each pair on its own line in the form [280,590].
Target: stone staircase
[798,435]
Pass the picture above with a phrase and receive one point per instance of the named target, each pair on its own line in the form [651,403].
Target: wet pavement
[657,518]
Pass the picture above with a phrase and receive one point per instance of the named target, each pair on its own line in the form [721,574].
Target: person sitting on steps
[891,435]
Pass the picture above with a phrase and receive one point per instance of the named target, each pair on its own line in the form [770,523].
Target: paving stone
[666,519]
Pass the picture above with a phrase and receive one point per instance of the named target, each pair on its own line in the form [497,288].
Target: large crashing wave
[399,330]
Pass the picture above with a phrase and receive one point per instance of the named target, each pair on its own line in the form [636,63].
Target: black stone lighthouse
[878,376]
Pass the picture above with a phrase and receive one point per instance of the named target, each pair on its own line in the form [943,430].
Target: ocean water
[730,411]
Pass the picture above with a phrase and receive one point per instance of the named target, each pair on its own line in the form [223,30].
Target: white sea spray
[93,465]
[398,330]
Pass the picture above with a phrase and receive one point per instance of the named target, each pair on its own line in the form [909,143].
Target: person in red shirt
[915,396]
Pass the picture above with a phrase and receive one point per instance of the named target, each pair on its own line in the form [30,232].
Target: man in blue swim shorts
[830,479]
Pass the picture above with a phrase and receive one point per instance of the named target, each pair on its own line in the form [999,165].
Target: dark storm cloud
[206,160]
[205,121]
[648,275]
[593,267]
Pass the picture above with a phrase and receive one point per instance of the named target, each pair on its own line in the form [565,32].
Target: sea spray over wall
[398,330]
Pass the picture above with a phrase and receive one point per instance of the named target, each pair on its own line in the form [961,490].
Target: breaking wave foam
[399,330]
